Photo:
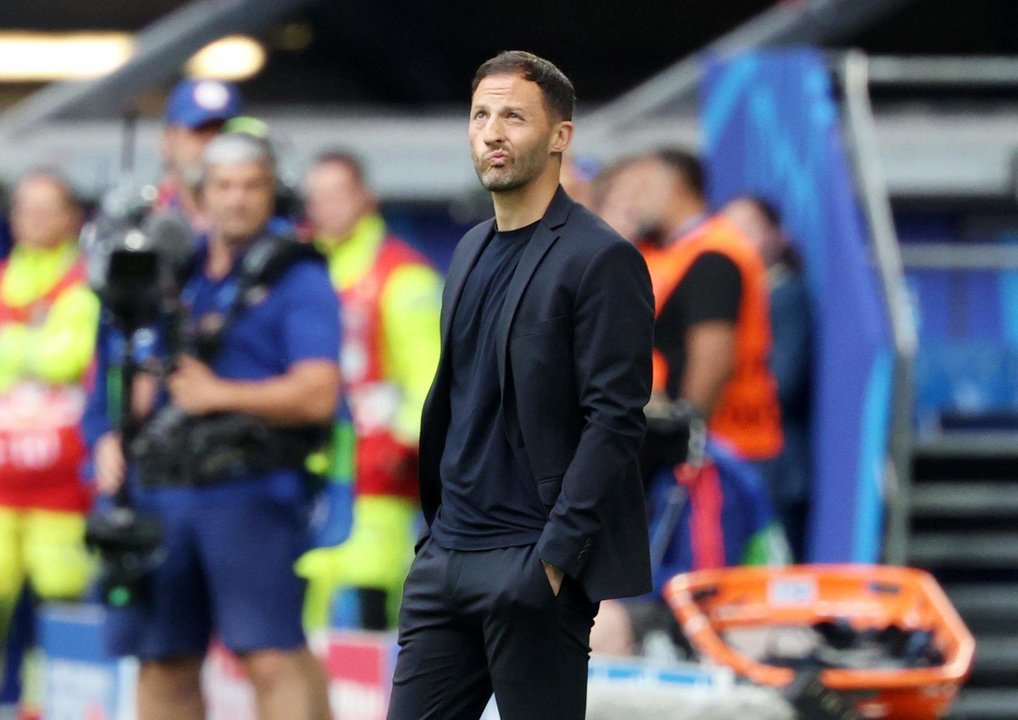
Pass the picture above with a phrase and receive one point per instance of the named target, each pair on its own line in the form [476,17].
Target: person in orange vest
[712,334]
[391,301]
[48,318]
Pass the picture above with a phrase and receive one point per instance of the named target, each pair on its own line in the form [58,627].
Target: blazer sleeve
[612,345]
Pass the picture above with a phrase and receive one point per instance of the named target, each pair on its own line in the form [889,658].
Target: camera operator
[231,539]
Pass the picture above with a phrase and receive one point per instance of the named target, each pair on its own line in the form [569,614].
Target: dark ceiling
[57,15]
[407,51]
[413,53]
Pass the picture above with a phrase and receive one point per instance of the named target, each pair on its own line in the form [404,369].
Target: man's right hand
[109,463]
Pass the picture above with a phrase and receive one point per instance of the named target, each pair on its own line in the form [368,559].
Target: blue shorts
[228,569]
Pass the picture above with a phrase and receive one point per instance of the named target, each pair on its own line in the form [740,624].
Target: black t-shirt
[488,500]
[710,290]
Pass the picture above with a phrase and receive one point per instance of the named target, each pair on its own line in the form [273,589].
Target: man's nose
[494,131]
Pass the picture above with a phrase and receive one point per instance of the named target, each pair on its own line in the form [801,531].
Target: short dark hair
[558,92]
[336,156]
[686,164]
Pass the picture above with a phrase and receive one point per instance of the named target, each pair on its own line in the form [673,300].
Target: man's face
[183,148]
[757,228]
[42,216]
[238,199]
[335,199]
[511,135]
[637,199]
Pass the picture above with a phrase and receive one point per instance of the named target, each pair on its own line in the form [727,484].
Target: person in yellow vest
[712,334]
[391,301]
[48,319]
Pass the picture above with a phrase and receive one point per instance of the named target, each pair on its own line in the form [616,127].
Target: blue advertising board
[82,682]
[771,128]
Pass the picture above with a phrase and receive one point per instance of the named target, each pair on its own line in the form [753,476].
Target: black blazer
[574,360]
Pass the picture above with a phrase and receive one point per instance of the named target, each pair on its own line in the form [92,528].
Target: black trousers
[473,623]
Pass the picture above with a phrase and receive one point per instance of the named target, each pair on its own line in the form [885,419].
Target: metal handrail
[942,256]
[939,71]
[986,443]
[877,209]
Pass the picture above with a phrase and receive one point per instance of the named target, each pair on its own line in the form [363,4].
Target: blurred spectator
[391,299]
[791,358]
[265,367]
[712,339]
[195,113]
[712,336]
[47,330]
[578,174]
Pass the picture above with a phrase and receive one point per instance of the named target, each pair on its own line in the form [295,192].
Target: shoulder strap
[269,259]
[265,263]
[74,275]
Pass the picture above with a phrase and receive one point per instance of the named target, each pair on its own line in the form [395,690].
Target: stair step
[964,549]
[990,444]
[996,661]
[980,704]
[968,499]
[986,608]
[964,528]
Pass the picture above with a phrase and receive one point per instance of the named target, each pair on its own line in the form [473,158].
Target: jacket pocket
[548,489]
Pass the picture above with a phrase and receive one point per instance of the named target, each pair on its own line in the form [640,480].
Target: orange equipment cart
[711,604]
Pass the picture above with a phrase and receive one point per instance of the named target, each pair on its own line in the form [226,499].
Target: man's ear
[561,137]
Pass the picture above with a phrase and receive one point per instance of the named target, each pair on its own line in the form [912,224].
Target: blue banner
[771,128]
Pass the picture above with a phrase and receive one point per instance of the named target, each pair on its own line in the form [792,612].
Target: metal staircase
[952,499]
[964,529]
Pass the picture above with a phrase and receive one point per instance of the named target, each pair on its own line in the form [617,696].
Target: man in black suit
[530,435]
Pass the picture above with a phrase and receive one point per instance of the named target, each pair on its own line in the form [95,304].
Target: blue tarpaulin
[771,128]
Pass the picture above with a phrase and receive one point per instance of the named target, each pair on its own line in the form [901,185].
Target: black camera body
[676,434]
[134,264]
[130,545]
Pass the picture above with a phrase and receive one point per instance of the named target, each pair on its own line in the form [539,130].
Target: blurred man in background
[262,359]
[391,301]
[709,508]
[712,334]
[195,113]
[791,359]
[47,334]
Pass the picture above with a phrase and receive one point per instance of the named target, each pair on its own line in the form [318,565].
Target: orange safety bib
[747,415]
[41,449]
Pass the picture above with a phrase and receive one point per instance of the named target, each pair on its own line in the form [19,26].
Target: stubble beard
[520,171]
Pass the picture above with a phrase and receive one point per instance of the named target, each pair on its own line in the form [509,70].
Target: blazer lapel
[544,237]
[463,262]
